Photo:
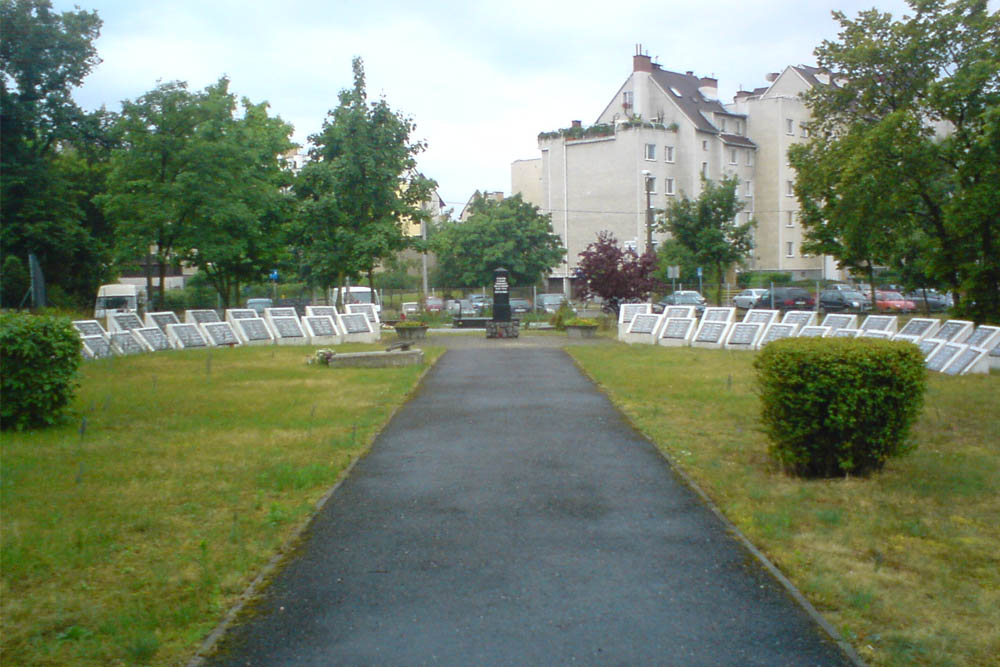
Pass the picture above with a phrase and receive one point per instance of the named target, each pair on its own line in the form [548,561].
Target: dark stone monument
[501,326]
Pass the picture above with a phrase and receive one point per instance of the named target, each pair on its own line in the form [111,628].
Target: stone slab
[288,331]
[123,322]
[629,310]
[153,338]
[984,336]
[800,318]
[186,336]
[125,342]
[161,319]
[679,311]
[366,309]
[955,331]
[840,321]
[921,327]
[887,323]
[677,331]
[219,334]
[96,347]
[201,316]
[644,328]
[744,335]
[89,328]
[969,359]
[357,328]
[393,359]
[814,331]
[719,314]
[777,331]
[322,329]
[253,331]
[765,317]
[710,333]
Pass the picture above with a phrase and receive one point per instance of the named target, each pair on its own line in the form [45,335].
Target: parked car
[462,307]
[893,302]
[481,302]
[549,303]
[520,306]
[840,301]
[786,298]
[748,297]
[682,298]
[931,300]
[433,304]
[259,305]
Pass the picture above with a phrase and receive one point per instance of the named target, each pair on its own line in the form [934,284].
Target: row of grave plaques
[954,347]
[321,325]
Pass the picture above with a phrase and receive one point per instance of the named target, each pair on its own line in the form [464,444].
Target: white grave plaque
[994,355]
[678,311]
[253,331]
[89,328]
[185,336]
[284,311]
[233,314]
[954,331]
[840,321]
[775,331]
[124,342]
[800,318]
[908,339]
[943,355]
[921,327]
[677,331]
[357,328]
[968,360]
[201,316]
[161,319]
[288,331]
[744,335]
[153,338]
[845,333]
[629,310]
[984,336]
[643,329]
[886,323]
[220,334]
[322,330]
[876,333]
[765,317]
[928,345]
[710,333]
[719,314]
[366,309]
[95,347]
[814,331]
[123,322]
[322,311]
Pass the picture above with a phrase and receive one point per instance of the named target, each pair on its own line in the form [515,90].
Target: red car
[893,302]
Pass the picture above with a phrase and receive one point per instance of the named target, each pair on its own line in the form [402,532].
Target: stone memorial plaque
[644,324]
[800,318]
[840,321]
[270,313]
[921,327]
[89,328]
[355,323]
[220,333]
[719,314]
[254,330]
[154,338]
[885,323]
[927,346]
[366,309]
[943,356]
[96,347]
[711,332]
[954,331]
[123,322]
[995,352]
[814,331]
[984,336]
[287,327]
[876,333]
[320,325]
[906,338]
[744,335]
[125,343]
[241,314]
[677,327]
[845,333]
[964,361]
[322,311]
[776,331]
[201,316]
[764,317]
[185,336]
[678,311]
[501,295]
[161,320]
[630,310]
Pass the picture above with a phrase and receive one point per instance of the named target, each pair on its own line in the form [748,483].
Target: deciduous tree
[615,274]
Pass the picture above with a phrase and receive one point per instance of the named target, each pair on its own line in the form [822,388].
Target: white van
[119,299]
[358,294]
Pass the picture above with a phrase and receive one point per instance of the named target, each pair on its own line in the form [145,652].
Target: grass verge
[128,533]
[904,563]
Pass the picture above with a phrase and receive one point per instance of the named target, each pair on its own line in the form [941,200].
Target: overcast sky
[479,79]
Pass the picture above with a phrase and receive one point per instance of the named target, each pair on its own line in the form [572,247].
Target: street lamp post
[649,211]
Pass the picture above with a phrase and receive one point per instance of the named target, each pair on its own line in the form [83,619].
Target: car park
[930,300]
[841,301]
[893,302]
[549,303]
[748,297]
[786,298]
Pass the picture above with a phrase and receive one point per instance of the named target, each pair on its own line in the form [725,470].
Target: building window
[668,186]
[627,99]
[650,151]
[749,158]
[790,219]
[805,131]
[732,156]
[746,217]
[790,188]
[739,127]
[704,145]
[668,153]
[789,126]
[748,188]
[790,249]
[722,125]
[651,184]
[704,170]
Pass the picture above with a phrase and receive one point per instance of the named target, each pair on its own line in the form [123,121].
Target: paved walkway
[508,515]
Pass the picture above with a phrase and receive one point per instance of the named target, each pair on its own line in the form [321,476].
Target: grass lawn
[129,532]
[905,563]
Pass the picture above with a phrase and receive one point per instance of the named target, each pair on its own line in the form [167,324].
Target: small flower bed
[581,322]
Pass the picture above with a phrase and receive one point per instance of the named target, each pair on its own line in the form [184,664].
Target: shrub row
[39,358]
[837,406]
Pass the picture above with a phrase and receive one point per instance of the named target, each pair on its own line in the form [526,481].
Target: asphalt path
[509,515]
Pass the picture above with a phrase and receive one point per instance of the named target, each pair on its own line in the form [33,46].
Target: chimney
[709,87]
[772,77]
[577,124]
[642,63]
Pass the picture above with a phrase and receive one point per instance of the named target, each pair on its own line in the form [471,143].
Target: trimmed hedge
[39,358]
[838,406]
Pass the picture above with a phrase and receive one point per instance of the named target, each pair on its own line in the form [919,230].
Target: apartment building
[660,135]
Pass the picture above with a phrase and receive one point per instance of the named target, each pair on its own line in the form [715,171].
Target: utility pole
[649,212]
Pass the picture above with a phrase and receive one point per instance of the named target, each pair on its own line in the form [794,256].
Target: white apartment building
[666,131]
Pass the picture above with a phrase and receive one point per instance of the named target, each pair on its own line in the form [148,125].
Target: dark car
[931,300]
[786,298]
[841,301]
[520,306]
[682,299]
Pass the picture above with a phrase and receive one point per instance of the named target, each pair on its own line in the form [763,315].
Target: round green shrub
[39,358]
[838,406]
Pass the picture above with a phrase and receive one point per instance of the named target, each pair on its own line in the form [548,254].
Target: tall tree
[43,56]
[358,187]
[707,230]
[906,147]
[615,274]
[512,234]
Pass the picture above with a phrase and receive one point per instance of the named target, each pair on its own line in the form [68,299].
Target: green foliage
[704,231]
[763,279]
[580,322]
[838,406]
[562,316]
[15,281]
[40,356]
[615,274]
[512,234]
[878,184]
